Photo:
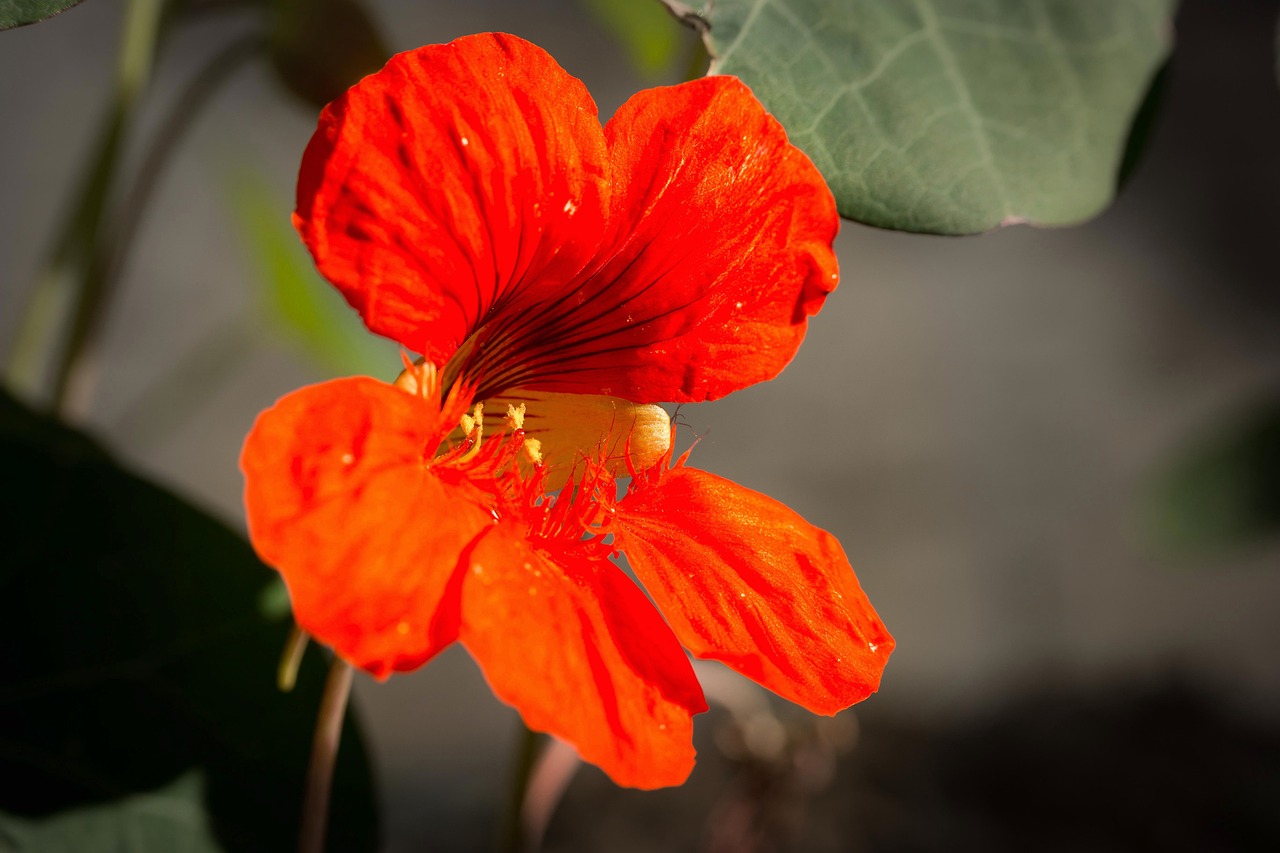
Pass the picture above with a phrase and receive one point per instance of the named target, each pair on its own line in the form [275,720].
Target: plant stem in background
[110,253]
[324,751]
[58,281]
[515,837]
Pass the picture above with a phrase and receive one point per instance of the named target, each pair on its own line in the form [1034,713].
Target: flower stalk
[515,833]
[324,753]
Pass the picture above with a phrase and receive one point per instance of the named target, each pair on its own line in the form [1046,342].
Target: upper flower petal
[574,645]
[450,177]
[466,198]
[340,499]
[718,250]
[745,580]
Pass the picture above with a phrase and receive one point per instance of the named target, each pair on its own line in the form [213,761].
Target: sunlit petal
[454,176]
[575,646]
[340,500]
[744,580]
[718,251]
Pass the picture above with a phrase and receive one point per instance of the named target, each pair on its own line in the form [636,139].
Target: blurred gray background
[979,420]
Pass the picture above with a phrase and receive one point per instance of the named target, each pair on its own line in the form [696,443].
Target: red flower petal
[745,580]
[367,536]
[456,173]
[719,249]
[575,646]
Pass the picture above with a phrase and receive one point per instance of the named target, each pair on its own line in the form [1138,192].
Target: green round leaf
[170,819]
[951,116]
[138,706]
[320,48]
[16,13]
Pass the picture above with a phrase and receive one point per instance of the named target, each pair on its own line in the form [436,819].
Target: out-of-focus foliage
[298,301]
[952,117]
[647,31]
[170,818]
[321,47]
[138,707]
[1224,491]
[16,13]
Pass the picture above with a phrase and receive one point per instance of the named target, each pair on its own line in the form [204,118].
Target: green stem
[324,752]
[110,254]
[291,659]
[514,838]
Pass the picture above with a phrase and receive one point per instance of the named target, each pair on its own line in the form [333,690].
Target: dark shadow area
[1213,152]
[1155,766]
[136,647]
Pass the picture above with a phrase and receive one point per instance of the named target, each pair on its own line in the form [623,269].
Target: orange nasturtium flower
[559,279]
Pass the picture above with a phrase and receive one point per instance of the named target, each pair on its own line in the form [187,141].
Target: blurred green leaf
[320,48]
[137,672]
[1223,491]
[301,304]
[647,31]
[170,820]
[951,116]
[17,13]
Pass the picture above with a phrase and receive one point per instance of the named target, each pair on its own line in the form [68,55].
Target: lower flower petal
[745,580]
[575,646]
[368,537]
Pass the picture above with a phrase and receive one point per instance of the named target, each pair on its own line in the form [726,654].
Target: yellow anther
[473,428]
[473,422]
[515,417]
[533,449]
